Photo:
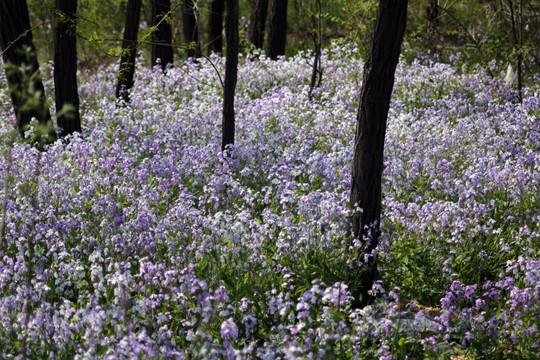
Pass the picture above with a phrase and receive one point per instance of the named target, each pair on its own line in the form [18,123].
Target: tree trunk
[517,32]
[520,53]
[215,28]
[277,31]
[65,68]
[257,23]
[231,69]
[129,50]
[162,36]
[316,71]
[373,109]
[433,16]
[191,28]
[18,49]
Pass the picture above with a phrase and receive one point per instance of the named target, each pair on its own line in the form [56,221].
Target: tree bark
[65,68]
[277,30]
[316,71]
[376,91]
[433,16]
[517,32]
[231,69]
[257,23]
[162,36]
[18,50]
[191,28]
[129,50]
[215,28]
[520,53]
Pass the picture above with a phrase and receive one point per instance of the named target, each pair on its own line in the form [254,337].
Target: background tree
[480,30]
[432,16]
[191,28]
[215,26]
[65,68]
[516,17]
[367,164]
[162,36]
[129,50]
[277,30]
[24,80]
[231,70]
[316,71]
[257,23]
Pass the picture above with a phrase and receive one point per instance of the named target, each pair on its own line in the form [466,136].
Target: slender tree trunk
[231,69]
[215,28]
[277,30]
[520,52]
[433,16]
[65,68]
[129,50]
[257,23]
[316,72]
[18,49]
[373,109]
[191,28]
[162,37]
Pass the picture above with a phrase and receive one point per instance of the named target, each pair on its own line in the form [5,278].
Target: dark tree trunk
[162,37]
[316,71]
[231,69]
[257,23]
[65,67]
[215,28]
[367,164]
[520,53]
[129,50]
[191,28]
[433,16]
[18,49]
[277,30]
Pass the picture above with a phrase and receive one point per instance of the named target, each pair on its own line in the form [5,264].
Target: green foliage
[30,99]
[480,30]
[355,20]
[99,29]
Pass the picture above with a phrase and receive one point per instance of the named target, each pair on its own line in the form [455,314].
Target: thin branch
[25,33]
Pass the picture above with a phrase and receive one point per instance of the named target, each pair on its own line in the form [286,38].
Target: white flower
[336,294]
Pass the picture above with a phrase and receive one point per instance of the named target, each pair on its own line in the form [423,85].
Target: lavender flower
[229,330]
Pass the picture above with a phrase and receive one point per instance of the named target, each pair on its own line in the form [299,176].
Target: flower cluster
[139,239]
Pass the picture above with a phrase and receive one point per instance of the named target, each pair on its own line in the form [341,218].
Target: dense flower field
[140,240]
